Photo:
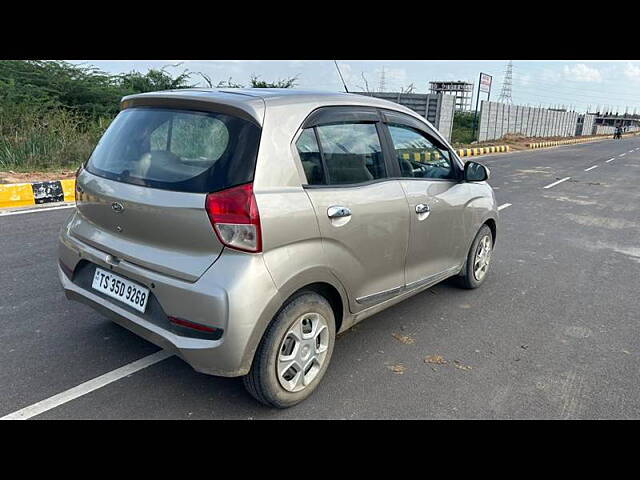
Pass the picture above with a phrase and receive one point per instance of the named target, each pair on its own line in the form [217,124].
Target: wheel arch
[491,223]
[332,295]
[317,280]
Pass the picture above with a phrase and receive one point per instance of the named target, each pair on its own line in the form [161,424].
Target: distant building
[437,109]
[463,91]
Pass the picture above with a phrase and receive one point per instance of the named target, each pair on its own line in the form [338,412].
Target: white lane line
[591,168]
[556,183]
[610,160]
[86,387]
[34,210]
[504,205]
[622,155]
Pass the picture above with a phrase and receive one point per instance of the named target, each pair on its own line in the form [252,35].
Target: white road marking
[87,387]
[622,155]
[591,168]
[504,205]
[34,210]
[556,183]
[611,159]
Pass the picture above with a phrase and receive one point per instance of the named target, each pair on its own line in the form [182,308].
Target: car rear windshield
[180,150]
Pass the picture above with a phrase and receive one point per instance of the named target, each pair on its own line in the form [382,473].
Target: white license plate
[121,289]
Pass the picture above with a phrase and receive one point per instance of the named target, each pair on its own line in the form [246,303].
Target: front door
[435,198]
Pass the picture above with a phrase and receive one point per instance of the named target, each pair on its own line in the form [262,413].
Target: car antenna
[340,73]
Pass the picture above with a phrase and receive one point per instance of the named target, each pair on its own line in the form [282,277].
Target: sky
[574,84]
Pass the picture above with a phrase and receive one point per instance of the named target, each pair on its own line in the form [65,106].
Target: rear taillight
[235,218]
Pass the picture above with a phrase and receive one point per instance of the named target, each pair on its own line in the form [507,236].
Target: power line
[576,96]
[527,67]
[588,92]
[564,98]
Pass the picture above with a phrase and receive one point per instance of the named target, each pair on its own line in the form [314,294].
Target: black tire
[262,380]
[467,279]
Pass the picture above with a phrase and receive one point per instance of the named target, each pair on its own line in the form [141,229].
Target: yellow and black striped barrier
[23,194]
[575,140]
[421,157]
[469,152]
[566,142]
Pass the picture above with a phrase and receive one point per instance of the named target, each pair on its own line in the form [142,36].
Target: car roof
[249,99]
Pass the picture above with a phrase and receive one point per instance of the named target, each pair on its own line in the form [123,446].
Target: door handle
[422,208]
[338,211]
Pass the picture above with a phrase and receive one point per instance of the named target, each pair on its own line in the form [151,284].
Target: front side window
[177,150]
[418,156]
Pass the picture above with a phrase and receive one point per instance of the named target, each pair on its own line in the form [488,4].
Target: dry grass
[46,140]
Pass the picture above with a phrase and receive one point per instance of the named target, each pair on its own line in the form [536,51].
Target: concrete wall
[603,130]
[609,130]
[499,119]
[440,112]
[436,108]
[585,124]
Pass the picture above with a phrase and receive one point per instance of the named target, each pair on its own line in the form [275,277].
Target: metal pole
[475,117]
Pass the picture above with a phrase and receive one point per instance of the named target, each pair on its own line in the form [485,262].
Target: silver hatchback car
[243,229]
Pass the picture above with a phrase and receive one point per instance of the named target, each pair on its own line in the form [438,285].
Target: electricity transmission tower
[382,86]
[505,93]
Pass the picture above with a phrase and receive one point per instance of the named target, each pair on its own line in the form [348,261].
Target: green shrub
[35,139]
[52,113]
[462,132]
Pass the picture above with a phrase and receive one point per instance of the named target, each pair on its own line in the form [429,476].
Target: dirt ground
[32,177]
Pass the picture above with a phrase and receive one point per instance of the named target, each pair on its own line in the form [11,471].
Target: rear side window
[309,152]
[177,150]
[348,153]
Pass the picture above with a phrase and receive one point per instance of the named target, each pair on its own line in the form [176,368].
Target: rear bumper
[189,349]
[236,295]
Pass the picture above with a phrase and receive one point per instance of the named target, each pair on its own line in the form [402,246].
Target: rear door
[430,178]
[142,194]
[361,211]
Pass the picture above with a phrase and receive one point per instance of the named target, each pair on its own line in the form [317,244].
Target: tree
[229,84]
[48,84]
[255,82]
[155,80]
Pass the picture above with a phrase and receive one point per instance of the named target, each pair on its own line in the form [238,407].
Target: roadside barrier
[575,140]
[24,194]
[566,142]
[469,152]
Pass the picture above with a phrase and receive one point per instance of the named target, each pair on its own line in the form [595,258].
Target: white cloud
[632,72]
[582,73]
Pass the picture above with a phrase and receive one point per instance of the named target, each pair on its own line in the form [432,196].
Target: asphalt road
[553,332]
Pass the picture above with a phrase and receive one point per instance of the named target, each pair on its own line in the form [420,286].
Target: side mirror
[475,172]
